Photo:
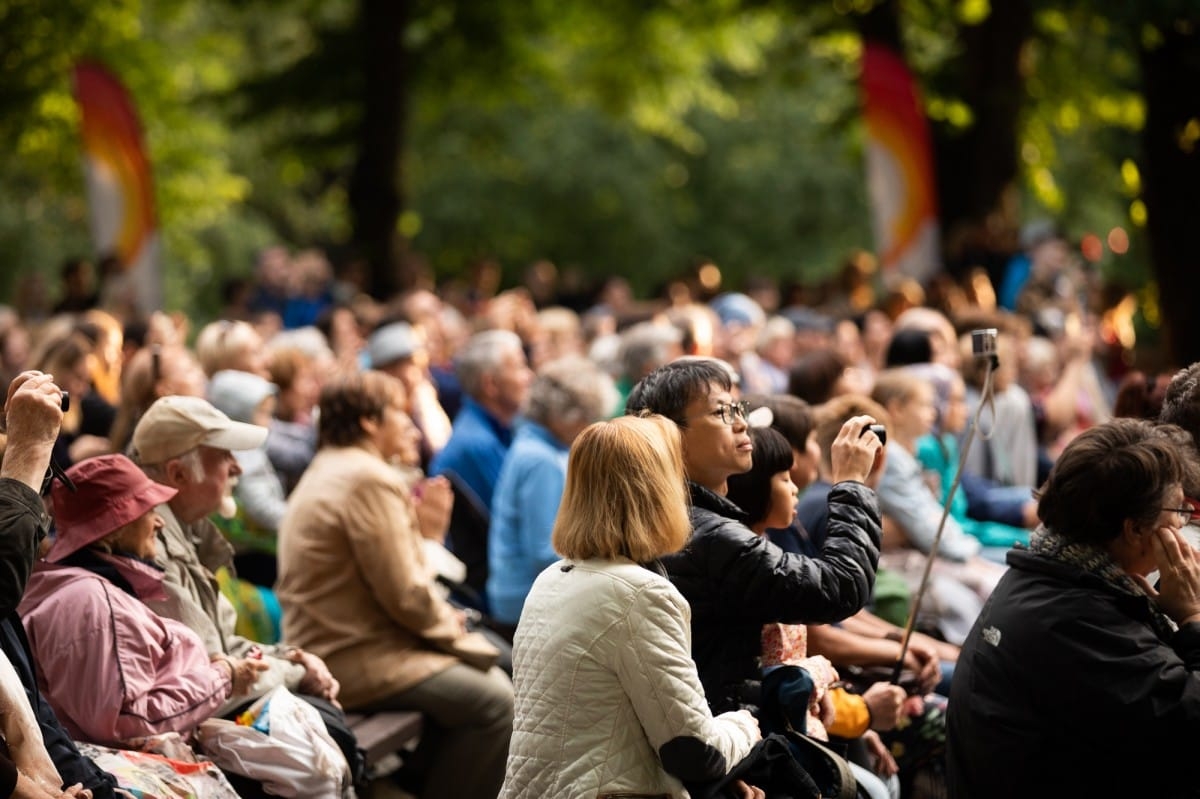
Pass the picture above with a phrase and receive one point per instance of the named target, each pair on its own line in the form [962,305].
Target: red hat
[111,491]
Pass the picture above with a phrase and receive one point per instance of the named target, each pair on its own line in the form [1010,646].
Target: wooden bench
[384,734]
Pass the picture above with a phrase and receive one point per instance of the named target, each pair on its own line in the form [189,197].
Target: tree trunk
[375,196]
[993,87]
[977,167]
[1170,175]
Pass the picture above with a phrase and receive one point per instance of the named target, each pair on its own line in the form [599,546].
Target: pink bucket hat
[110,492]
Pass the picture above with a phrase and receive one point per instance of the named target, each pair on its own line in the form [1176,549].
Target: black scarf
[90,560]
[1098,563]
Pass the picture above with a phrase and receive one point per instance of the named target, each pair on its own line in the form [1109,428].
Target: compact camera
[879,430]
[983,342]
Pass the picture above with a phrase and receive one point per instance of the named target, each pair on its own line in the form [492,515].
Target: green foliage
[1084,111]
[623,137]
[775,189]
[142,43]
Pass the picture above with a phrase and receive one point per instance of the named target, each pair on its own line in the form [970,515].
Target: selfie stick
[983,345]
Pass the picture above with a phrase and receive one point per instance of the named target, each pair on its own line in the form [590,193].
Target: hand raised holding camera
[32,416]
[855,450]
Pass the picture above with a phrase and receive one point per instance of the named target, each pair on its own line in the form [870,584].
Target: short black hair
[670,388]
[1111,473]
[814,375]
[1181,405]
[751,491]
[908,346]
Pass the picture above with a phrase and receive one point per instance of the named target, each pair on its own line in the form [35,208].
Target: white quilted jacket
[604,677]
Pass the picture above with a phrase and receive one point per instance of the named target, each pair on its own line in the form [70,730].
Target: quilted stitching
[589,637]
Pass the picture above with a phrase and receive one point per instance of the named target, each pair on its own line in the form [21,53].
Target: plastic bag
[294,757]
[147,775]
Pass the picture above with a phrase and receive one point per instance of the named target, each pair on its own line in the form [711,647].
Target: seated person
[187,444]
[84,615]
[293,438]
[866,639]
[31,418]
[768,496]
[906,498]
[737,581]
[495,379]
[609,701]
[1078,606]
[937,452]
[259,496]
[357,590]
[567,396]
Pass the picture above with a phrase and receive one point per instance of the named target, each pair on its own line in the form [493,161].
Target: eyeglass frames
[730,412]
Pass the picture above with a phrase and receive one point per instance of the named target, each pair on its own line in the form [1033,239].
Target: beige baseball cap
[178,424]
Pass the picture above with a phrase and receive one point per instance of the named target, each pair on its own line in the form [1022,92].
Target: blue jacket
[475,452]
[523,511]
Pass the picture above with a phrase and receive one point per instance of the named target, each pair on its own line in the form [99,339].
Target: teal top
[942,458]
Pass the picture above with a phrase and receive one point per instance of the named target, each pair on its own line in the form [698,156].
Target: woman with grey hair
[568,395]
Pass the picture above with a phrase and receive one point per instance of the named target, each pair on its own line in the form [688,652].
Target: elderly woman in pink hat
[112,669]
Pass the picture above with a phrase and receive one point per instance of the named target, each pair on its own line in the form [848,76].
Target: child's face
[783,501]
[918,413]
[954,418]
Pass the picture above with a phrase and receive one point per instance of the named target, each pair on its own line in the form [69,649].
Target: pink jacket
[110,667]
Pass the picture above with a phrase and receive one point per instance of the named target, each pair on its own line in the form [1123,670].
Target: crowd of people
[658,548]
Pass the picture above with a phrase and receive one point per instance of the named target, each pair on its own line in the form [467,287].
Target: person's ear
[176,473]
[369,424]
[487,385]
[1134,534]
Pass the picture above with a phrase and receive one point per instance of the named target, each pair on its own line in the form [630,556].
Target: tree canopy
[620,138]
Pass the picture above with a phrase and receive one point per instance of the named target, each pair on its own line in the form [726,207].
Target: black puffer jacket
[1063,688]
[737,581]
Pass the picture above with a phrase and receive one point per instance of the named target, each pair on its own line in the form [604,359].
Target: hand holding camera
[32,417]
[854,452]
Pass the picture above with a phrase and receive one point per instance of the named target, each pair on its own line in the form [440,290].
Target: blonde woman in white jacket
[608,702]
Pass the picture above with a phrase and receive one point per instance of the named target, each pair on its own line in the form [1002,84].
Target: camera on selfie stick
[983,347]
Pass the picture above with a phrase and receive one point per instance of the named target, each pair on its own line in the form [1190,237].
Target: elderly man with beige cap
[187,444]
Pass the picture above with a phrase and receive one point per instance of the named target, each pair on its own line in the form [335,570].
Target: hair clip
[760,417]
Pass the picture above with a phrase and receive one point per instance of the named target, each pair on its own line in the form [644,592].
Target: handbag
[281,741]
[770,766]
[785,692]
[827,768]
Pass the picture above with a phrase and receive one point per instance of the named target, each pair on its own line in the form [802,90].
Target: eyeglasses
[1185,514]
[730,412]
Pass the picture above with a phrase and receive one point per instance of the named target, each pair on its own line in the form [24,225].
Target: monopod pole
[985,400]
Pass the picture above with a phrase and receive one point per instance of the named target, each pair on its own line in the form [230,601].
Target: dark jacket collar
[1139,607]
[711,501]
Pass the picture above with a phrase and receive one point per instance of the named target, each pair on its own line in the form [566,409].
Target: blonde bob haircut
[625,495]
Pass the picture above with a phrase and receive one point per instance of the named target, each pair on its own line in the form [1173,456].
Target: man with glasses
[735,580]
